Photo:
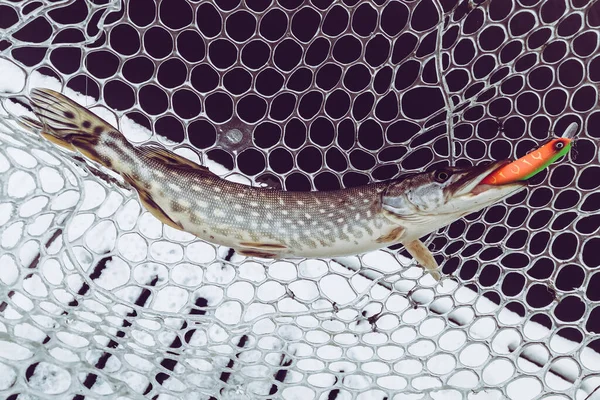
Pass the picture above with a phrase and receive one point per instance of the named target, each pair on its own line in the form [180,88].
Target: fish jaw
[474,178]
[442,204]
[474,195]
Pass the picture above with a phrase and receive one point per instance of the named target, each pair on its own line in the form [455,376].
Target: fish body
[269,223]
[272,223]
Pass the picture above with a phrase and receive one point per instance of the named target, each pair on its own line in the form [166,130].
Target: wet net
[99,300]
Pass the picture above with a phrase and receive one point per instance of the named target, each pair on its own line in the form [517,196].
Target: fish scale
[308,224]
[265,222]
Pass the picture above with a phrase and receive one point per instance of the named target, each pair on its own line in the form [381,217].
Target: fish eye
[442,176]
[559,145]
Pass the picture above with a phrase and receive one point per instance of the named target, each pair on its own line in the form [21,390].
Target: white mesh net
[100,300]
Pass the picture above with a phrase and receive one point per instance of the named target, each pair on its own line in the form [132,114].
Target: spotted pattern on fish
[262,222]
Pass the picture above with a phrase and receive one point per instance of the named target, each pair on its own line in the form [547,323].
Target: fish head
[436,198]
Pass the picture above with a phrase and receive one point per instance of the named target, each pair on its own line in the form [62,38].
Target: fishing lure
[530,164]
[270,223]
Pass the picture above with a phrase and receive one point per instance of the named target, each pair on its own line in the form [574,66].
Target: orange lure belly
[530,164]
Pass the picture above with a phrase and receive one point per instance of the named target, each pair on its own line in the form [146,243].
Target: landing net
[99,300]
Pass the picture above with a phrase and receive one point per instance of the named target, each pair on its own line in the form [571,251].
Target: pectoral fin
[423,256]
[392,237]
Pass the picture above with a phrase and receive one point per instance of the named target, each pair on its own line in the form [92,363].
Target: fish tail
[66,123]
[70,125]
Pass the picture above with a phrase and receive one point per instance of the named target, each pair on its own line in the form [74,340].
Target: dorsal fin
[165,156]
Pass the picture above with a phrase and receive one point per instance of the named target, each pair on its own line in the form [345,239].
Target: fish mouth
[471,182]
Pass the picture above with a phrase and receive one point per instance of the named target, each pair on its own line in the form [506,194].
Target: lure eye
[442,176]
[559,145]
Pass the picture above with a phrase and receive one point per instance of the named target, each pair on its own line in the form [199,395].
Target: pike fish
[268,223]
